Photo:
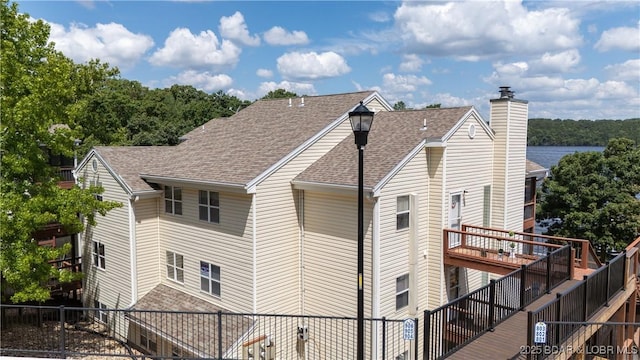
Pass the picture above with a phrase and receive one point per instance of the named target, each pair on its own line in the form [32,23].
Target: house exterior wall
[330,254]
[227,244]
[110,286]
[147,225]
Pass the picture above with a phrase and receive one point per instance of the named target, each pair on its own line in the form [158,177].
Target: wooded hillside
[581,132]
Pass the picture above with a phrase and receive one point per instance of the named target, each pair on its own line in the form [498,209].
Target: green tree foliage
[433,106]
[594,196]
[581,132]
[400,105]
[40,88]
[280,94]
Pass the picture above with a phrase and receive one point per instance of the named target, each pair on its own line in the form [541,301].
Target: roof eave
[229,187]
[339,189]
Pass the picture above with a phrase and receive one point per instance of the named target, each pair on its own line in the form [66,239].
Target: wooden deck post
[426,335]
[584,256]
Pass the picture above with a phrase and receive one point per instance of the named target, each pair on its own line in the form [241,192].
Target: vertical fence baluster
[219,334]
[62,334]
[492,303]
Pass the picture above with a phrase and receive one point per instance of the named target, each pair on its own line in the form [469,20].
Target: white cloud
[403,83]
[411,63]
[627,71]
[445,99]
[201,80]
[311,65]
[481,29]
[235,29]
[561,62]
[279,36]
[379,16]
[296,87]
[624,38]
[185,50]
[264,73]
[111,43]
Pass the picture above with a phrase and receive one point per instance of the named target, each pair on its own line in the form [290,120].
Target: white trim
[443,206]
[330,187]
[111,171]
[133,254]
[251,185]
[414,240]
[375,272]
[398,167]
[463,119]
[255,252]
[506,170]
[173,181]
[301,274]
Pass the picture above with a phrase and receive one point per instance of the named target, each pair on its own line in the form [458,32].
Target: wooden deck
[507,339]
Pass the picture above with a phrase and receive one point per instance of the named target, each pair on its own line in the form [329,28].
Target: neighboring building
[257,213]
[535,173]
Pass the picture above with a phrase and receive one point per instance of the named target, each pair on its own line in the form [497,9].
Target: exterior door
[455,218]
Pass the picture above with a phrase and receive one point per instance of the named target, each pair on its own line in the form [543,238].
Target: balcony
[501,251]
[66,177]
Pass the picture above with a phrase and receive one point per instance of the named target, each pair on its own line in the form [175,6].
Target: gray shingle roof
[393,135]
[236,150]
[130,161]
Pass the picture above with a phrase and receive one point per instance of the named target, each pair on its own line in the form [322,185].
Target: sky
[569,59]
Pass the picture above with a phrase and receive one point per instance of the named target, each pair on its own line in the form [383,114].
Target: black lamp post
[361,120]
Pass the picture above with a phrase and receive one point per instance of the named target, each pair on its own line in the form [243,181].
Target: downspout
[428,228]
[255,253]
[133,252]
[444,208]
[413,254]
[375,276]
[301,250]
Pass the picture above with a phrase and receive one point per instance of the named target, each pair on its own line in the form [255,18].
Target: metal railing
[577,305]
[453,325]
[75,332]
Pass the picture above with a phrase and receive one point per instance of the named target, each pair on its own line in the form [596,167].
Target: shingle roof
[236,150]
[535,169]
[393,135]
[130,161]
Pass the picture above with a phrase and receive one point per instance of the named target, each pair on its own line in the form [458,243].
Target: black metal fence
[572,308]
[453,325]
[42,331]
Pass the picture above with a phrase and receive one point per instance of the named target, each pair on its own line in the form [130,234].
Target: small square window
[402,291]
[173,200]
[402,212]
[175,267]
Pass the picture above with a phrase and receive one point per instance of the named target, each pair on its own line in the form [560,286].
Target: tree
[399,106]
[433,106]
[594,196]
[40,88]
[280,94]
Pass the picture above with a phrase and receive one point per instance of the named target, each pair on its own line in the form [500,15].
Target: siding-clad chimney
[508,119]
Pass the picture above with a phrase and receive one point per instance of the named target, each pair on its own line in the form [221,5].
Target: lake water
[548,156]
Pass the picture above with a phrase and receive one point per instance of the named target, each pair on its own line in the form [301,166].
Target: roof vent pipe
[424,125]
[302,101]
[289,102]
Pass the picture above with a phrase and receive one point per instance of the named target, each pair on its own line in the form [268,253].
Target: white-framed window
[99,258]
[402,291]
[97,183]
[210,278]
[402,212]
[148,340]
[175,267]
[209,206]
[100,313]
[173,200]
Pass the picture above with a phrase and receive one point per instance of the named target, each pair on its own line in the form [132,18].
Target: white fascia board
[147,194]
[229,187]
[338,189]
[463,119]
[398,167]
[251,185]
[111,171]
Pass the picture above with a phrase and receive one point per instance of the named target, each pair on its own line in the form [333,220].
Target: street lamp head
[361,120]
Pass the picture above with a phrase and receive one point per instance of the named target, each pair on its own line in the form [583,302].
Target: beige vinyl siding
[435,220]
[111,286]
[499,125]
[147,239]
[227,245]
[331,254]
[278,229]
[517,166]
[469,167]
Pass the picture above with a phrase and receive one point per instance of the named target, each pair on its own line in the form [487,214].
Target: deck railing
[527,245]
[577,305]
[49,331]
[453,325]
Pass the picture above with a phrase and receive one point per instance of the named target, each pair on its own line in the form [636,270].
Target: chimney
[508,119]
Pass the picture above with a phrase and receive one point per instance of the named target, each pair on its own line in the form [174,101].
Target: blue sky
[570,59]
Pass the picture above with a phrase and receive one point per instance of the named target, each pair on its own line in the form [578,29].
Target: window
[210,278]
[99,259]
[402,291]
[148,340]
[100,313]
[209,206]
[175,267]
[486,206]
[402,212]
[97,183]
[173,200]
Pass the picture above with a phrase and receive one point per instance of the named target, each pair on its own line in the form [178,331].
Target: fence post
[415,338]
[608,265]
[426,335]
[529,334]
[219,334]
[62,333]
[548,279]
[624,280]
[384,338]
[523,288]
[492,303]
[585,315]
